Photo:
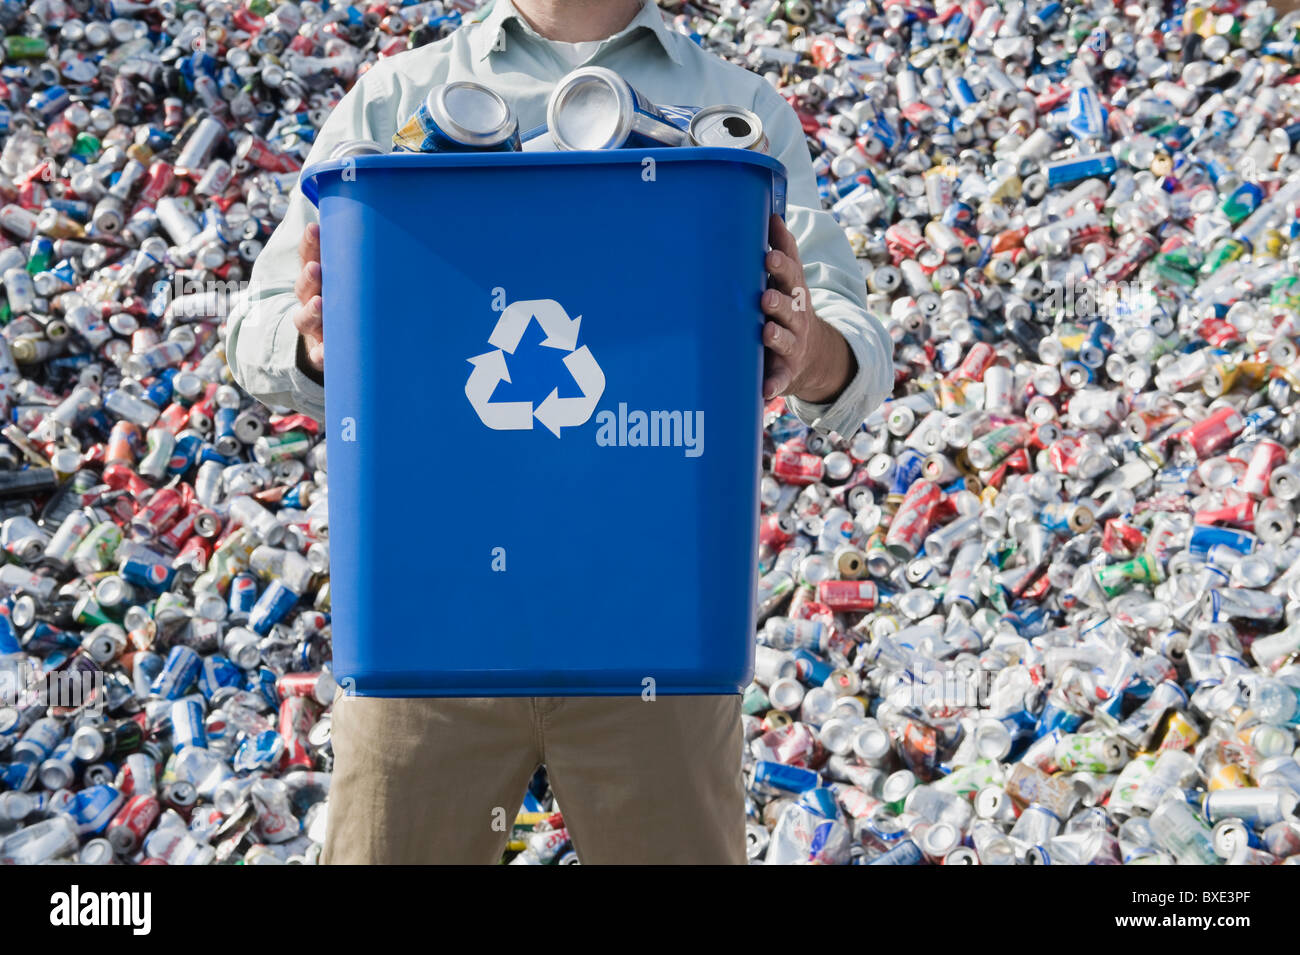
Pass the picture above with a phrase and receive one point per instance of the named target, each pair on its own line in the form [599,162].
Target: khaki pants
[440,780]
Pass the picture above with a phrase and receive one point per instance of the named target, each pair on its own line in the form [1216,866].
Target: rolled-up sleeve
[261,340]
[835,283]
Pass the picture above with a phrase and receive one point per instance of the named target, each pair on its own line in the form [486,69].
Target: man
[438,780]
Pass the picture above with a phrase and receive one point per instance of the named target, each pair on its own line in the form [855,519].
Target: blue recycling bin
[543,416]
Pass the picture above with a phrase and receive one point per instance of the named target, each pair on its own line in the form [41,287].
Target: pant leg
[648,782]
[427,780]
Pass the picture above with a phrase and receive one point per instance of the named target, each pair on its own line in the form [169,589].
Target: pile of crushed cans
[1044,607]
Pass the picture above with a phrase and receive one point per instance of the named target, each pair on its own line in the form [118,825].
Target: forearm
[263,348]
[835,365]
[262,352]
[855,366]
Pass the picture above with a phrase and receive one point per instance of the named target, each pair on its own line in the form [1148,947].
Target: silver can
[727,126]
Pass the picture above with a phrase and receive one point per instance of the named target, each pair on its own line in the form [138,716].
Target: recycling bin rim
[310,177]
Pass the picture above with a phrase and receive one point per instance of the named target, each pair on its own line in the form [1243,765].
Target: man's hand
[307,316]
[806,357]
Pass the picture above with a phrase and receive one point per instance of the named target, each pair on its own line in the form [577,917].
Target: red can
[195,552]
[1121,539]
[904,239]
[914,519]
[776,529]
[297,716]
[164,507]
[124,443]
[132,822]
[316,686]
[1239,514]
[1266,456]
[1214,433]
[848,595]
[174,537]
[261,154]
[158,182]
[175,418]
[294,422]
[1218,333]
[976,362]
[797,467]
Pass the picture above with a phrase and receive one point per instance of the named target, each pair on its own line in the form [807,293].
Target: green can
[88,612]
[754,701]
[25,48]
[1091,753]
[274,448]
[95,552]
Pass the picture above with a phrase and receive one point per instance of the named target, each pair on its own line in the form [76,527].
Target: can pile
[1043,607]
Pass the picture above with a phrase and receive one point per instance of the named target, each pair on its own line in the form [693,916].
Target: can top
[592,108]
[726,126]
[471,114]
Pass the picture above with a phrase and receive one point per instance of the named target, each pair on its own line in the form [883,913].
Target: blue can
[1084,116]
[679,116]
[821,801]
[881,130]
[1063,172]
[258,752]
[1042,19]
[791,779]
[907,469]
[960,92]
[187,725]
[148,574]
[9,644]
[1207,536]
[94,807]
[906,852]
[38,741]
[296,496]
[155,137]
[60,769]
[223,426]
[812,669]
[960,215]
[218,672]
[243,596]
[263,684]
[276,601]
[145,670]
[49,102]
[18,775]
[957,29]
[184,454]
[177,674]
[459,117]
[159,390]
[1099,344]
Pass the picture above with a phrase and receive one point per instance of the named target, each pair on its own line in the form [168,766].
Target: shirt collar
[503,11]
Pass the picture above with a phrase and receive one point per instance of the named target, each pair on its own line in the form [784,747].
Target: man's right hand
[307,316]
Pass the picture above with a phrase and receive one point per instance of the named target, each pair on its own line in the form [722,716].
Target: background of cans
[1038,609]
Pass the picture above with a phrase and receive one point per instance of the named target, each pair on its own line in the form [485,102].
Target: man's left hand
[805,356]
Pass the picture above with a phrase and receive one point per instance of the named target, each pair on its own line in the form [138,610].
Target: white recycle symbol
[490,368]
